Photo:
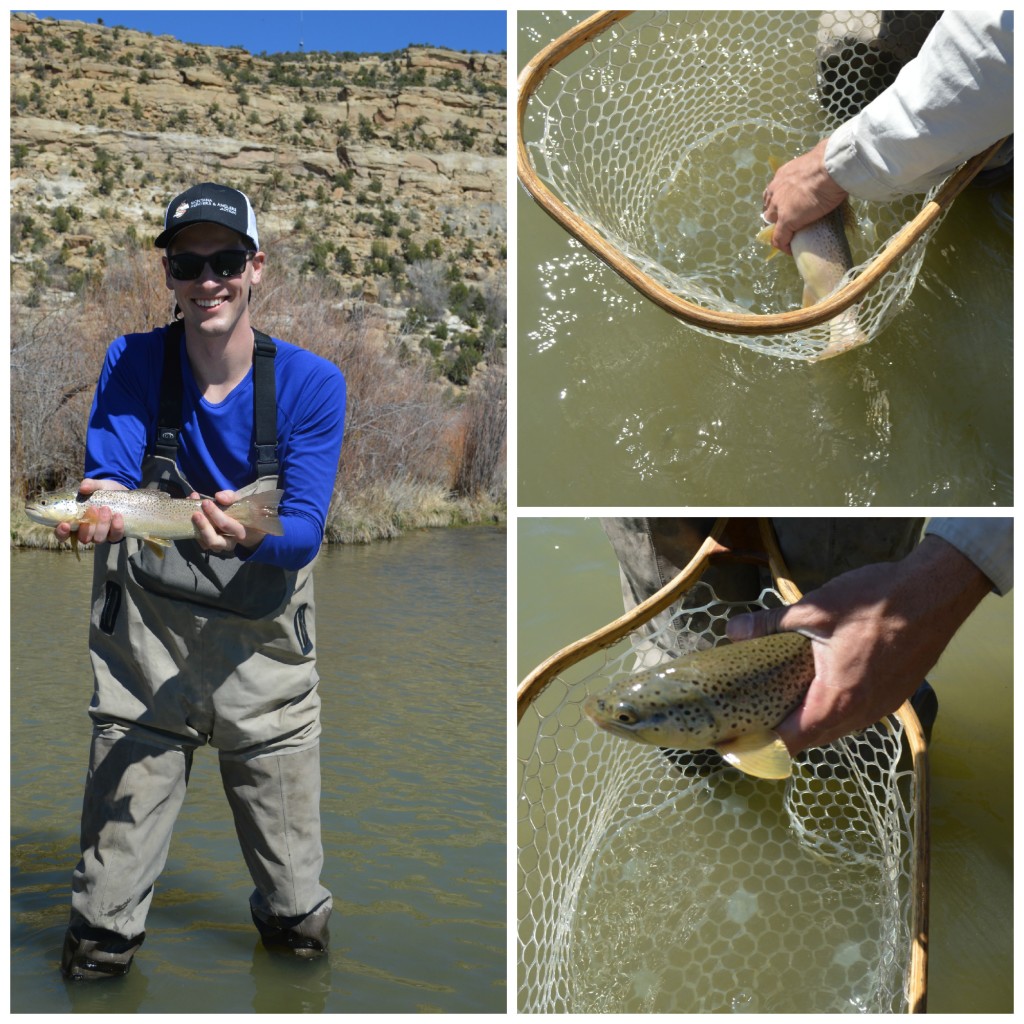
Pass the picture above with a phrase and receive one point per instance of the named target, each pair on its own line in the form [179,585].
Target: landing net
[654,882]
[649,135]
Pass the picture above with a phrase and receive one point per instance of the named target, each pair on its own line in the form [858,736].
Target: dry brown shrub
[56,354]
[478,444]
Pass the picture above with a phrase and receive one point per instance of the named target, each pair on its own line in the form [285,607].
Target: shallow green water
[568,586]
[621,404]
[411,654]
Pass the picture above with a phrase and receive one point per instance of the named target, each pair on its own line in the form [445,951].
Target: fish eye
[626,715]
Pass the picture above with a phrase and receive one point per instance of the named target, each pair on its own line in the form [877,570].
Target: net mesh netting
[658,134]
[654,881]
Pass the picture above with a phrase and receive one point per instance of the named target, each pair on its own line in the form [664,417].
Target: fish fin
[765,236]
[156,545]
[809,298]
[775,162]
[74,544]
[762,754]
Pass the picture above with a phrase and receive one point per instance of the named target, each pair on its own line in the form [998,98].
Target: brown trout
[729,698]
[152,516]
[822,254]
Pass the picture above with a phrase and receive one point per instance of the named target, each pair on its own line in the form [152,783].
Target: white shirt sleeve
[988,543]
[954,99]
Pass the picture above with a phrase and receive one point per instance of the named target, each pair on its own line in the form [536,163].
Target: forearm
[950,102]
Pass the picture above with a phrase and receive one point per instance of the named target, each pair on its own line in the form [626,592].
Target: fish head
[655,707]
[56,507]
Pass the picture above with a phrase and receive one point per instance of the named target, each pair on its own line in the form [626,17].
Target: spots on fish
[708,696]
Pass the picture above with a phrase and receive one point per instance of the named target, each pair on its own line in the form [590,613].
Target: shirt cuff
[988,543]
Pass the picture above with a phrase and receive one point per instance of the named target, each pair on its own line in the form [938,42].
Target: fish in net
[653,881]
[649,136]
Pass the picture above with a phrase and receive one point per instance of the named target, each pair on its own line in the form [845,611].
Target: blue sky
[379,31]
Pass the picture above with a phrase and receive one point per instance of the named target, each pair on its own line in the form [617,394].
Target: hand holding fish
[216,531]
[108,525]
[156,518]
[801,192]
[883,627]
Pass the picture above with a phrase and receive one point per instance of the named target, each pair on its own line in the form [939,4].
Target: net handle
[530,79]
[713,545]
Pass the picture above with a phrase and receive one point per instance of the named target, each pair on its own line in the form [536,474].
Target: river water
[568,585]
[411,654]
[621,404]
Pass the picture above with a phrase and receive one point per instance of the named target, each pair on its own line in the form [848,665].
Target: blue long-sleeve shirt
[216,443]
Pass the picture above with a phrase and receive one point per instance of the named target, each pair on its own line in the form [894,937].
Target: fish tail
[259,511]
[844,334]
[765,237]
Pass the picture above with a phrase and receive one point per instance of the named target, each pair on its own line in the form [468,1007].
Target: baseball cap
[209,203]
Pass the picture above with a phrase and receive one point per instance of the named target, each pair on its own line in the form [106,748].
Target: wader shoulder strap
[264,405]
[168,424]
[264,400]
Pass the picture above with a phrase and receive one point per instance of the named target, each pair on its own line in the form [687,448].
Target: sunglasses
[187,266]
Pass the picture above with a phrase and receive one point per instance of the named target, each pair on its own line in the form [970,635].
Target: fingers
[782,238]
[827,713]
[103,525]
[783,233]
[106,526]
[88,486]
[219,532]
[215,530]
[800,192]
[754,624]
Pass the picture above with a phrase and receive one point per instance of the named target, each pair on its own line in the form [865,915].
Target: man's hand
[108,527]
[216,531]
[801,192]
[881,629]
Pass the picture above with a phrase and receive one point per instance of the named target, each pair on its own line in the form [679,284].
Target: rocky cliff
[384,174]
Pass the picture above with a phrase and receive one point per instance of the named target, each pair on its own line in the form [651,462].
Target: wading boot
[305,937]
[96,954]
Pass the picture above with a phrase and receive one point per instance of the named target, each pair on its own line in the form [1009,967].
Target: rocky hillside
[383,174]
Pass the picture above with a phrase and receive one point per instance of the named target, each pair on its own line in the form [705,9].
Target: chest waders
[189,649]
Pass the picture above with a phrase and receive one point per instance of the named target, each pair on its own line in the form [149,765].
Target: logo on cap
[181,211]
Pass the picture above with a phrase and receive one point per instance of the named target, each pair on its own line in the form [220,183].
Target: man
[953,100]
[215,640]
[884,601]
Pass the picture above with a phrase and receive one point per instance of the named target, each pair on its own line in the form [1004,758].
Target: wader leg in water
[133,793]
[275,800]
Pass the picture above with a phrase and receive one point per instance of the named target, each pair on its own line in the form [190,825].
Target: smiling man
[214,641]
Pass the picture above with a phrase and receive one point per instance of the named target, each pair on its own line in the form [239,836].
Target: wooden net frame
[730,323]
[720,546]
